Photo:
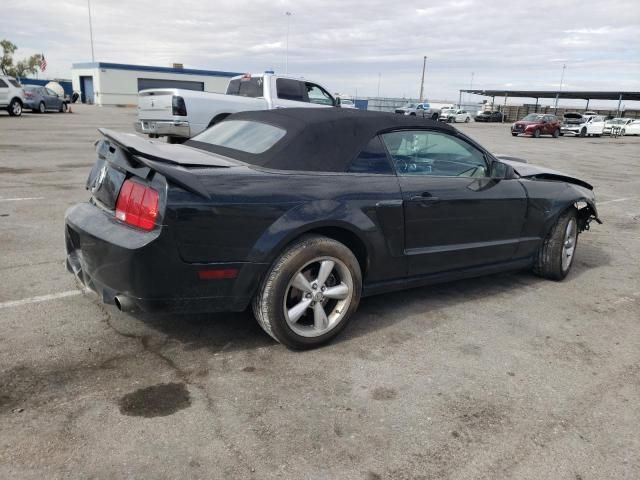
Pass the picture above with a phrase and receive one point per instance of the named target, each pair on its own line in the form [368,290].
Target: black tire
[63,108]
[536,133]
[514,134]
[15,108]
[434,116]
[273,293]
[623,132]
[467,120]
[549,262]
[42,108]
[176,140]
[556,133]
[412,114]
[583,132]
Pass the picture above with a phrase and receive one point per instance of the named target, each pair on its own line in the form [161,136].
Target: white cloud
[346,43]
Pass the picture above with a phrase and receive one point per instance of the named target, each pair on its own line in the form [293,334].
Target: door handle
[424,197]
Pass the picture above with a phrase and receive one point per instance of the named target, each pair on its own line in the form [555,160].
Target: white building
[118,84]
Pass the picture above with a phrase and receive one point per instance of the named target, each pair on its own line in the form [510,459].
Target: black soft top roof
[319,139]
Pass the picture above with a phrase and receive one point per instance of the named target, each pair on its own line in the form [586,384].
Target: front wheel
[514,134]
[556,254]
[467,120]
[310,293]
[15,108]
[63,108]
[556,133]
[583,132]
[536,133]
[42,108]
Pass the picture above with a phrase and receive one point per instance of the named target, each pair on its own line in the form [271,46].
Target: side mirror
[501,171]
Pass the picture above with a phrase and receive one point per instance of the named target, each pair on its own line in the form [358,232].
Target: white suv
[11,95]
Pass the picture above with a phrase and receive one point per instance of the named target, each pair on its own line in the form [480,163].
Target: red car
[536,124]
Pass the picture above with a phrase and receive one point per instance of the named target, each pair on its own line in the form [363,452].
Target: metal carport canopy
[584,95]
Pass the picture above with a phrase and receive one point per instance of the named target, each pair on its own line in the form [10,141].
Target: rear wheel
[556,133]
[310,293]
[42,107]
[622,132]
[467,120]
[556,254]
[63,108]
[536,133]
[15,108]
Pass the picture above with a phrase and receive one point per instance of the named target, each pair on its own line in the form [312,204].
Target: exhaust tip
[123,303]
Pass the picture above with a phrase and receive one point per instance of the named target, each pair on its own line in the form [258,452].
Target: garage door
[146,83]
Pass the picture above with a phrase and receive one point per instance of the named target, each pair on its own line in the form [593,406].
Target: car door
[318,96]
[4,92]
[54,100]
[455,216]
[596,125]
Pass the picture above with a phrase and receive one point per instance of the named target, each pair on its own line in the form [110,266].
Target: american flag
[43,63]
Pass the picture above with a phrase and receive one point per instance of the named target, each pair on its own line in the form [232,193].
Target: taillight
[137,205]
[178,106]
[28,95]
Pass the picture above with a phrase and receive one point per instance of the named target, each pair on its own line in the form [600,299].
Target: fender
[295,222]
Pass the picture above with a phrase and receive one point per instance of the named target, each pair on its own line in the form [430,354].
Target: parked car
[455,115]
[632,128]
[582,124]
[180,114]
[419,109]
[615,126]
[41,99]
[11,95]
[299,213]
[489,116]
[347,103]
[536,124]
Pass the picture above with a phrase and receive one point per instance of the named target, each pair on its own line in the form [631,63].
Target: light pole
[286,61]
[93,59]
[471,84]
[424,66]
[379,77]
[564,67]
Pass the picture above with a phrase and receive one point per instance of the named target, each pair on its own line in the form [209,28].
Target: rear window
[242,135]
[30,88]
[290,89]
[246,87]
[3,84]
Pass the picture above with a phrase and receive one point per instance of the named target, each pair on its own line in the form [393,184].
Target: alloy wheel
[17,108]
[569,244]
[318,296]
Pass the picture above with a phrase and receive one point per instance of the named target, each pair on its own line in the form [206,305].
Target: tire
[412,114]
[15,108]
[278,295]
[583,132]
[555,257]
[176,140]
[623,132]
[63,108]
[42,108]
[514,134]
[467,120]
[434,116]
[536,133]
[556,133]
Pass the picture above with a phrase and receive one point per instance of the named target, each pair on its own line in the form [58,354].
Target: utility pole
[470,84]
[93,58]
[286,59]
[424,66]
[564,67]
[379,77]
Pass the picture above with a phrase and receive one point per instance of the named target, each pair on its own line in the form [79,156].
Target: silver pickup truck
[180,114]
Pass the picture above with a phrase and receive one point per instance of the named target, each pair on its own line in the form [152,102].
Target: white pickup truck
[180,114]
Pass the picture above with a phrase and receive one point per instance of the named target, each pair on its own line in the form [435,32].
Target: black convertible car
[301,212]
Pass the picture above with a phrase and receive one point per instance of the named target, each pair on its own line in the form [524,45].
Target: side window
[289,89]
[50,92]
[318,95]
[372,159]
[15,83]
[3,84]
[422,152]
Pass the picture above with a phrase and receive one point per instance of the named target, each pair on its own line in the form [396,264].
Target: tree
[22,68]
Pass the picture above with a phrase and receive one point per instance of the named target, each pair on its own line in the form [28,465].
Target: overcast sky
[346,44]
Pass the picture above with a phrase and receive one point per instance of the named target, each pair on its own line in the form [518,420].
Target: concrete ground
[503,377]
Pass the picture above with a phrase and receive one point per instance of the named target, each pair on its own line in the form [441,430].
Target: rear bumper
[174,128]
[113,259]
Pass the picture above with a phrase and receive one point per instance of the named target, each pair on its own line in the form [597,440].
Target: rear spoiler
[169,160]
